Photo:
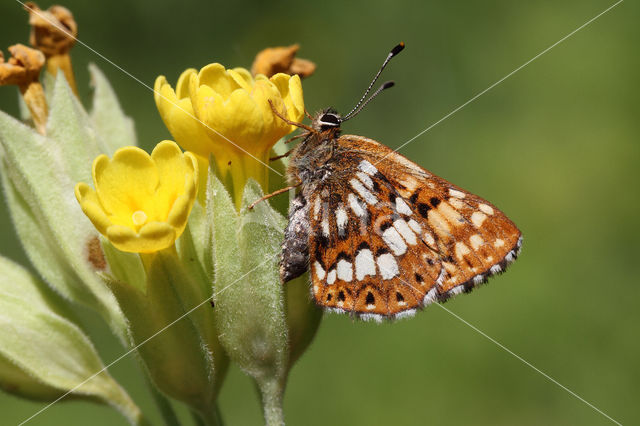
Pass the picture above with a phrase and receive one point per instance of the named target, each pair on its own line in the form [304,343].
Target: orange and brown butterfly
[382,236]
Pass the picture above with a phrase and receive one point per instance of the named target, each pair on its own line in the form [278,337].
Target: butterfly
[381,236]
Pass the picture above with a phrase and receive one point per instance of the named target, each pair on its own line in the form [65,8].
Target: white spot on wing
[477,219]
[415,226]
[364,192]
[410,183]
[320,273]
[499,243]
[388,266]
[365,264]
[331,277]
[456,193]
[402,207]
[325,227]
[341,219]
[367,167]
[355,205]
[486,209]
[345,271]
[457,204]
[461,249]
[438,223]
[394,241]
[450,213]
[428,238]
[364,178]
[406,232]
[476,241]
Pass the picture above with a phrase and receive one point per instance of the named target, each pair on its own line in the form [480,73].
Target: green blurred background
[555,146]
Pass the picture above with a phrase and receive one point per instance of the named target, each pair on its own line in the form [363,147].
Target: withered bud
[273,60]
[22,68]
[53,31]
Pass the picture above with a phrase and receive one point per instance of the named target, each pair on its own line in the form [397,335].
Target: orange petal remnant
[273,60]
[54,32]
[23,70]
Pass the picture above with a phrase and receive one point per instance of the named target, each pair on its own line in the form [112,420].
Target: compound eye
[329,119]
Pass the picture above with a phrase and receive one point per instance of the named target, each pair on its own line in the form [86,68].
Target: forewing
[388,237]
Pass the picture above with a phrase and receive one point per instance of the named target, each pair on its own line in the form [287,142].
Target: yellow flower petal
[90,205]
[242,77]
[152,237]
[178,115]
[217,78]
[126,183]
[236,123]
[182,88]
[141,202]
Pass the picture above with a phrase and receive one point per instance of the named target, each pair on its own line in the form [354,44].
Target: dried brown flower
[53,31]
[23,70]
[273,60]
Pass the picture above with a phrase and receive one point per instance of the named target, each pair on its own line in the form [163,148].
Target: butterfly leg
[307,114]
[286,120]
[295,249]
[301,135]
[273,194]
[286,154]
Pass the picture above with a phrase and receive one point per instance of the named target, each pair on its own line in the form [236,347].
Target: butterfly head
[327,119]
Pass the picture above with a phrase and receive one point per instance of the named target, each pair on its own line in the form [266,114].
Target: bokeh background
[555,146]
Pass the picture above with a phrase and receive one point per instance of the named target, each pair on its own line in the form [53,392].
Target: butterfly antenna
[384,86]
[397,49]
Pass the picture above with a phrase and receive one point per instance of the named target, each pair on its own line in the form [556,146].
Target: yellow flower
[141,202]
[236,123]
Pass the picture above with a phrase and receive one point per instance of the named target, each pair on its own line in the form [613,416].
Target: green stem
[208,417]
[272,398]
[164,405]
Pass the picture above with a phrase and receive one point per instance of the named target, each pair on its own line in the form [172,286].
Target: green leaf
[43,353]
[48,83]
[108,118]
[54,231]
[74,139]
[23,109]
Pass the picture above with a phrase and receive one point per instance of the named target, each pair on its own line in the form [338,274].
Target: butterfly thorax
[314,159]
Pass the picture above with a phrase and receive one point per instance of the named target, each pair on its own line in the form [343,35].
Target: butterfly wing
[387,237]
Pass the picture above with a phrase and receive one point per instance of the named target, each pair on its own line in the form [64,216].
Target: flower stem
[33,95]
[166,410]
[208,417]
[62,62]
[272,398]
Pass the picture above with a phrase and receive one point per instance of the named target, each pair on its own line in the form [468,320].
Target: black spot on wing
[423,209]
